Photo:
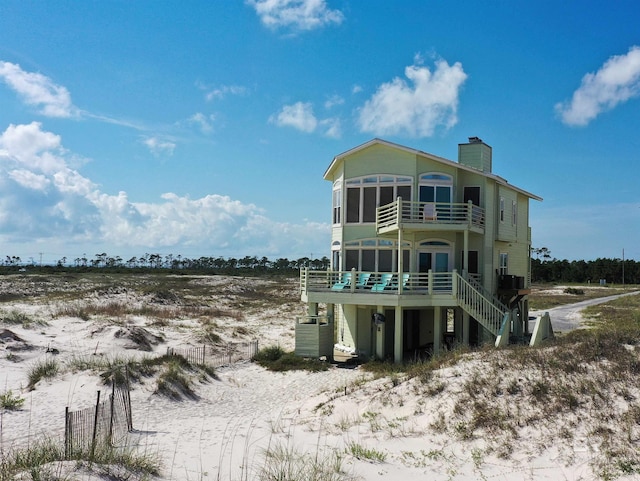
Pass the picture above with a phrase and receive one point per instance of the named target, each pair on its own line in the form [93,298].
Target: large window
[375,255]
[364,194]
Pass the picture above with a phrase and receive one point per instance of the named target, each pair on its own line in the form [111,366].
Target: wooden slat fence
[106,423]
[216,357]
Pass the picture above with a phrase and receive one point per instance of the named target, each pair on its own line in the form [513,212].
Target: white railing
[488,311]
[484,310]
[376,282]
[429,213]
[476,284]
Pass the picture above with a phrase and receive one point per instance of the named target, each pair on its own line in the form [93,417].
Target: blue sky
[204,128]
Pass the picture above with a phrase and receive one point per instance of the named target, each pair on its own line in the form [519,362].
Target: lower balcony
[377,288]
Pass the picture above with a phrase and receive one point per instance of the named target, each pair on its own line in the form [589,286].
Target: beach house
[426,253]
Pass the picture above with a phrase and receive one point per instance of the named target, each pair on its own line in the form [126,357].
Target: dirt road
[569,317]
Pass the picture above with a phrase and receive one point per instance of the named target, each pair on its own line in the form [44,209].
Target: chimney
[475,154]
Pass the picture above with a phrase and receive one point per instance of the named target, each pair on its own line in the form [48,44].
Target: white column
[380,336]
[437,329]
[398,345]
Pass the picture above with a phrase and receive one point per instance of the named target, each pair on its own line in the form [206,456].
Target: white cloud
[158,146]
[415,109]
[38,90]
[297,14]
[333,127]
[222,91]
[32,147]
[204,122]
[46,205]
[618,80]
[299,116]
[29,179]
[333,101]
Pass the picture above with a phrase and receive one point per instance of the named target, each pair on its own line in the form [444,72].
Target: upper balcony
[421,216]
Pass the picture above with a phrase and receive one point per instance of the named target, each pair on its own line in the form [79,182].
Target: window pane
[369,213]
[386,195]
[443,194]
[384,261]
[351,260]
[472,194]
[404,191]
[353,205]
[368,260]
[427,193]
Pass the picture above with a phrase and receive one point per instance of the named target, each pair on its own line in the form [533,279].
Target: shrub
[10,401]
[274,358]
[269,354]
[575,291]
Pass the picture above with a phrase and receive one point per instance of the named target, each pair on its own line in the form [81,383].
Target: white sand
[247,410]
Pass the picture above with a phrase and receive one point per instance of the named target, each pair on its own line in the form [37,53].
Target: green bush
[10,401]
[274,358]
[575,291]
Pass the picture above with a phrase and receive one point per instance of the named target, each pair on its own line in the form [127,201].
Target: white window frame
[377,245]
[377,181]
[503,263]
[336,210]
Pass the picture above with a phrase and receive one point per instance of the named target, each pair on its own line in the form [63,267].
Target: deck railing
[377,282]
[468,294]
[429,213]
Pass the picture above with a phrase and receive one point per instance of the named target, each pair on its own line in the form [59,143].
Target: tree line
[613,271]
[170,262]
[543,267]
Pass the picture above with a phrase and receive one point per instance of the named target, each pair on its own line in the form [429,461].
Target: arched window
[436,187]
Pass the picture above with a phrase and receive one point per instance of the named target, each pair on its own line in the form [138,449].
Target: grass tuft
[46,369]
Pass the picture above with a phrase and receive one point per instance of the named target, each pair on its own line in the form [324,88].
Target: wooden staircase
[490,313]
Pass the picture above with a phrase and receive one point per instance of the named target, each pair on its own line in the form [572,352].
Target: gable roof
[376,141]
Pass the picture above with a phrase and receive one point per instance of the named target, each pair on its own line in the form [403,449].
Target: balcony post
[454,283]
[465,250]
[470,212]
[399,261]
[430,282]
[353,279]
[399,212]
